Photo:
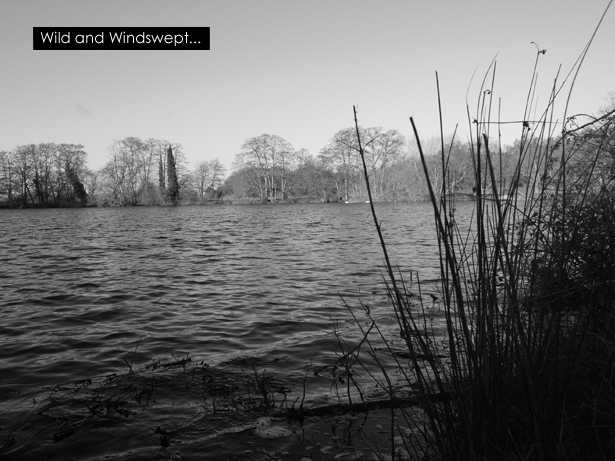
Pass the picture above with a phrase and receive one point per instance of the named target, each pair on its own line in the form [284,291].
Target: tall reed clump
[527,368]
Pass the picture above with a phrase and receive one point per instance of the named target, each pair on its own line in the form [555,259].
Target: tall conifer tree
[161,174]
[172,189]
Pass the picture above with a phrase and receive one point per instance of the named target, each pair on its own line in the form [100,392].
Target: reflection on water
[83,291]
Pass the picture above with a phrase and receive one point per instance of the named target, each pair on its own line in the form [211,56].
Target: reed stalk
[527,291]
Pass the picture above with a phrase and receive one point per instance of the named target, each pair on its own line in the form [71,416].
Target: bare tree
[342,153]
[208,175]
[268,159]
[381,149]
[7,173]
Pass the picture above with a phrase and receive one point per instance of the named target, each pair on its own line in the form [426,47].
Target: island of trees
[267,169]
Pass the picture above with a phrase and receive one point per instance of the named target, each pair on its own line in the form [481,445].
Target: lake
[178,296]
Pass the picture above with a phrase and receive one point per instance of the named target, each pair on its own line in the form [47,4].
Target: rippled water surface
[85,293]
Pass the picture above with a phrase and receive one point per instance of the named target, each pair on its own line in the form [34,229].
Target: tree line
[137,172]
[44,175]
[267,169]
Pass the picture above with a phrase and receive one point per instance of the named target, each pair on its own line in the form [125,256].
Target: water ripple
[82,291]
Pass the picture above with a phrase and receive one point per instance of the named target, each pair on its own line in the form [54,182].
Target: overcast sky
[290,68]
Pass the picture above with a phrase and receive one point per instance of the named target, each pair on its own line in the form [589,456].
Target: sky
[293,69]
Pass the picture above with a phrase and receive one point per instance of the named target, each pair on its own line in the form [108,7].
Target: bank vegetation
[526,367]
